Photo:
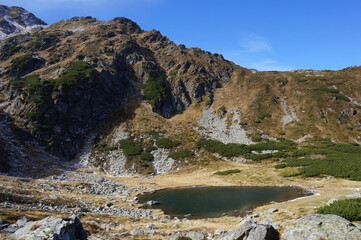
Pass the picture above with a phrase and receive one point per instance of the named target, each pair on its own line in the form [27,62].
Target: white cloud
[269,65]
[253,43]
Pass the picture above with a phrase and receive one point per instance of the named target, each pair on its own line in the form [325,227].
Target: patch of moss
[181,154]
[227,172]
[166,143]
[130,148]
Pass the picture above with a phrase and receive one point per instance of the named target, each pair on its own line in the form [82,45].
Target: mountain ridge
[16,20]
[60,83]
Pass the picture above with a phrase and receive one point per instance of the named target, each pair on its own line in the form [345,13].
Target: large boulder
[320,226]
[252,231]
[52,228]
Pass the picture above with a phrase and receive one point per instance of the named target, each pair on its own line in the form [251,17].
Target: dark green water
[205,202]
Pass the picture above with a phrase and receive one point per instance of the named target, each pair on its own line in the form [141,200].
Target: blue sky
[260,34]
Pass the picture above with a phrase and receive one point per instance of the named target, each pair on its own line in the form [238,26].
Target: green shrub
[327,90]
[348,208]
[166,143]
[225,150]
[291,173]
[342,98]
[257,139]
[282,145]
[280,166]
[243,123]
[227,172]
[154,88]
[264,115]
[104,27]
[32,115]
[78,71]
[11,49]
[150,149]
[173,73]
[259,157]
[130,148]
[181,154]
[147,156]
[235,149]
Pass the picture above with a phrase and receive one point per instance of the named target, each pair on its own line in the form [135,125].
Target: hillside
[81,75]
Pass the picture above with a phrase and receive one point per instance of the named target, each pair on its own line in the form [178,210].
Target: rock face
[252,231]
[52,228]
[17,20]
[132,63]
[319,226]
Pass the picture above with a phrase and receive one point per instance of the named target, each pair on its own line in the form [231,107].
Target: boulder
[193,235]
[52,228]
[220,232]
[321,226]
[21,222]
[332,200]
[151,226]
[269,211]
[252,231]
[137,231]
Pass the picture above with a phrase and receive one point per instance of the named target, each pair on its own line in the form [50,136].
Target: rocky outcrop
[219,129]
[252,231]
[51,228]
[319,226]
[17,20]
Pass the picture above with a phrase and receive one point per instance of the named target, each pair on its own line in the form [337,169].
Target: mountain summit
[17,20]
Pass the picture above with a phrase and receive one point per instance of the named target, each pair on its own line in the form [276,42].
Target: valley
[94,113]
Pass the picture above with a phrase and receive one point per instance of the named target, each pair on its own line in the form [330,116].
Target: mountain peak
[17,20]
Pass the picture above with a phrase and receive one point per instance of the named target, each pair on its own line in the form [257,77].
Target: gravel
[161,163]
[219,129]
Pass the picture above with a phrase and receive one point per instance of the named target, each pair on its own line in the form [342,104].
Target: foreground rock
[252,231]
[319,226]
[52,228]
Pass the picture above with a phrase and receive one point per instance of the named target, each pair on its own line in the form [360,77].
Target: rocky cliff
[15,20]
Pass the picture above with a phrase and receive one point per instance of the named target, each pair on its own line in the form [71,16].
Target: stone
[10,229]
[1,221]
[52,228]
[321,226]
[195,235]
[252,231]
[84,210]
[137,231]
[332,200]
[151,226]
[21,222]
[252,216]
[152,203]
[220,232]
[109,204]
[354,195]
[269,211]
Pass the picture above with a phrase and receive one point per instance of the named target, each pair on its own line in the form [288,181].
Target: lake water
[205,202]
